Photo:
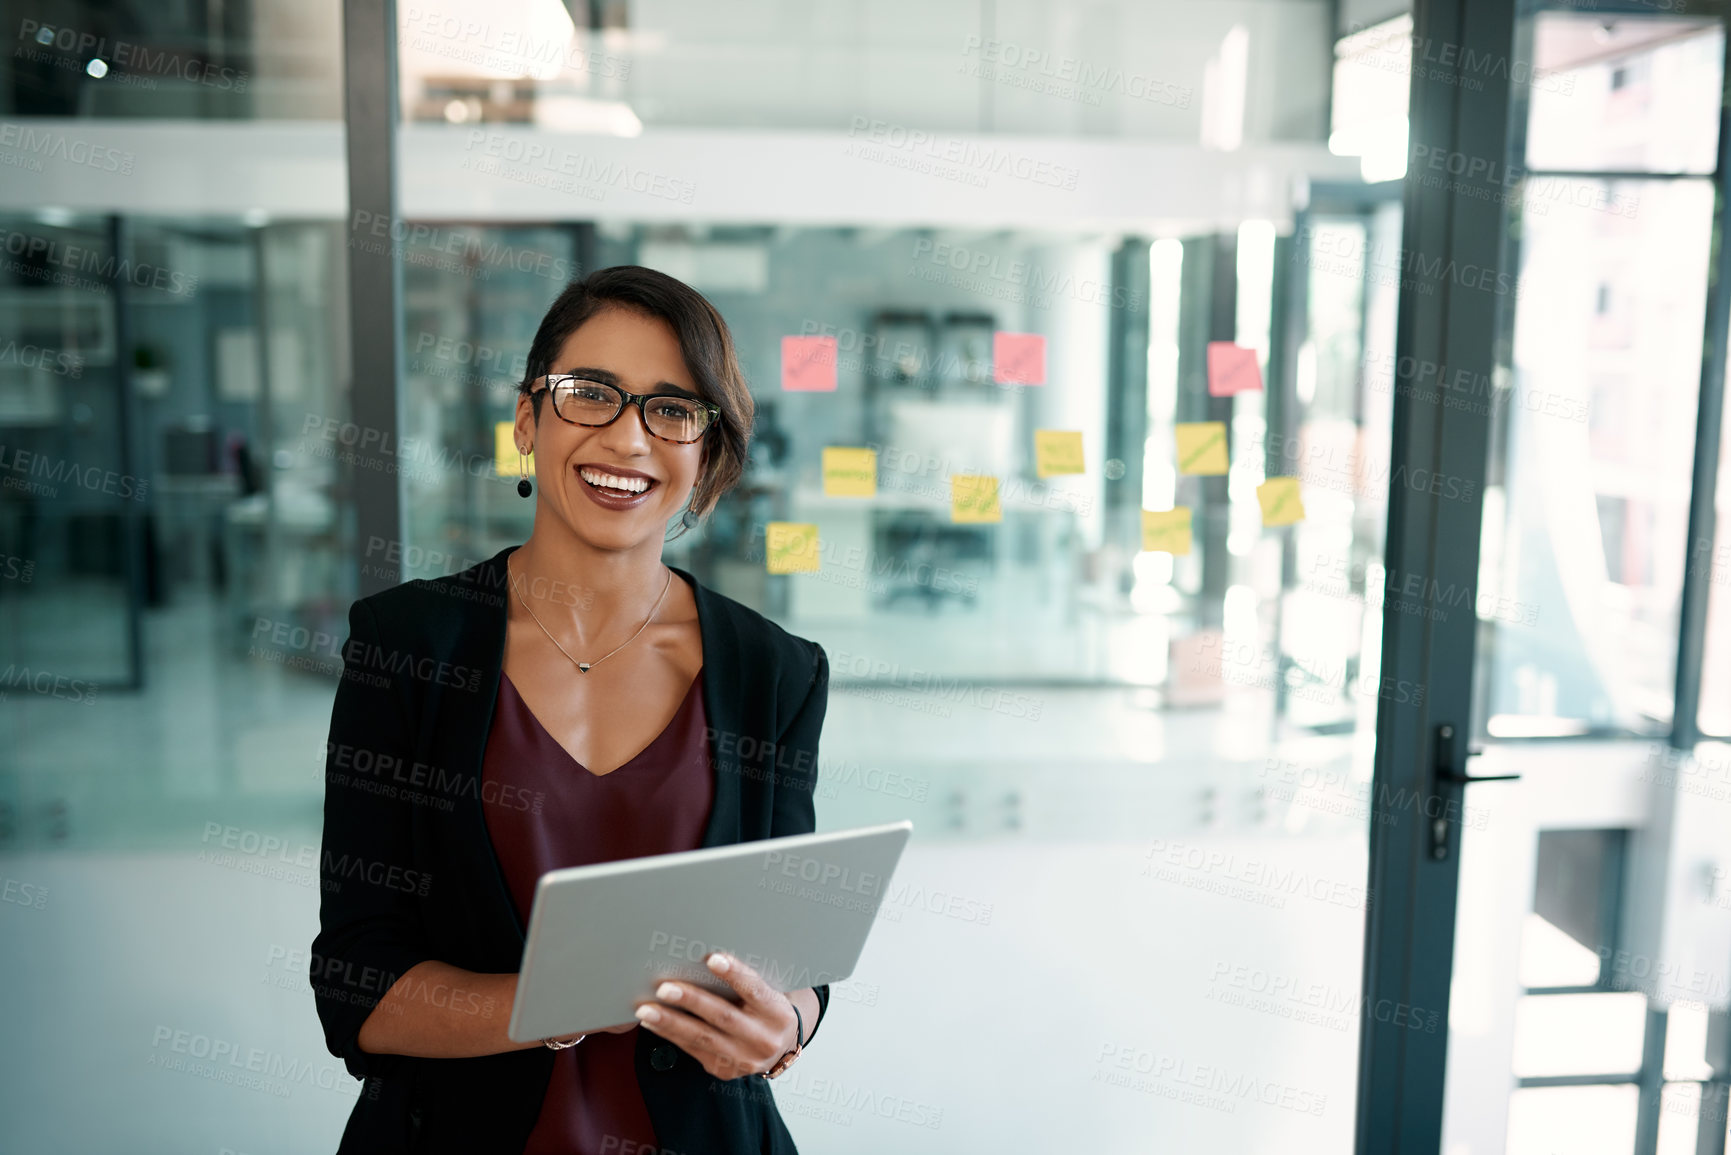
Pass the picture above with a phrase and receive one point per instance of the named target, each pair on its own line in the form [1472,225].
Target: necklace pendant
[583,667]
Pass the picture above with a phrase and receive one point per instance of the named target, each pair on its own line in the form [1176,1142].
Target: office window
[1586,526]
[1578,1033]
[1582,571]
[1638,93]
[1579,1120]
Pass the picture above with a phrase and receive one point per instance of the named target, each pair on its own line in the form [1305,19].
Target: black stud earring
[523,486]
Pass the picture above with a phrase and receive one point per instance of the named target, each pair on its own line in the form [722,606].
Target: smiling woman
[636,751]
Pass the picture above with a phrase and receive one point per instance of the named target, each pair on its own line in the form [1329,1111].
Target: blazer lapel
[724,706]
[467,717]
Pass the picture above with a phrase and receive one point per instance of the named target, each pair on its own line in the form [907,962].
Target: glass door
[1593,944]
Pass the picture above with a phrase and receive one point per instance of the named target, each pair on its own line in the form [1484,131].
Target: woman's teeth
[609,481]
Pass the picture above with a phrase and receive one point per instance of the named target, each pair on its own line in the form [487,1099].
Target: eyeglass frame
[630,399]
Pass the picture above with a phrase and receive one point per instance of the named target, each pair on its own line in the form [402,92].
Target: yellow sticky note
[505,456]
[850,472]
[1202,447]
[1166,530]
[1281,504]
[974,498]
[1057,451]
[791,547]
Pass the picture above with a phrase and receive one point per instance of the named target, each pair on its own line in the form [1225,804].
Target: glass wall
[1080,729]
[165,519]
[1128,707]
[62,385]
[176,520]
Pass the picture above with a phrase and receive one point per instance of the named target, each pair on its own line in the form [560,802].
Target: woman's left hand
[728,1040]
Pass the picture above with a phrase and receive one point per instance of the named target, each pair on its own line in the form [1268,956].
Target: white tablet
[601,937]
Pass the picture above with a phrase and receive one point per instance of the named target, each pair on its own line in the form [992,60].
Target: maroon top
[656,803]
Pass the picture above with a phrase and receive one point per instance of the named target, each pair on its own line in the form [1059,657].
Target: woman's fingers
[748,983]
[721,1054]
[711,1008]
[728,1040]
[762,1001]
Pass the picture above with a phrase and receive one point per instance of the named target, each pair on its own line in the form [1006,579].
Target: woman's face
[642,355]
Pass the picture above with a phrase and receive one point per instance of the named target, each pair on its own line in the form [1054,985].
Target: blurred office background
[1140,782]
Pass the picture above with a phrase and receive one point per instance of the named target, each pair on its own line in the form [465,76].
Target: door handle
[1445,762]
[1445,777]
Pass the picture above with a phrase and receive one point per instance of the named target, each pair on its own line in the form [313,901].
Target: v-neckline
[678,713]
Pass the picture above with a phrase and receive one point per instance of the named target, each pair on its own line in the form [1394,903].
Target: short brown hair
[704,339]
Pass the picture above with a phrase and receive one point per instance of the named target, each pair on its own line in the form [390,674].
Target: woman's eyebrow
[607,377]
[601,375]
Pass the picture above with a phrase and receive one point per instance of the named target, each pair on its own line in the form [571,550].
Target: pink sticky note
[808,364]
[1232,369]
[1018,358]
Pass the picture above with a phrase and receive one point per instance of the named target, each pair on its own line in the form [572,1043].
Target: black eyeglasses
[671,417]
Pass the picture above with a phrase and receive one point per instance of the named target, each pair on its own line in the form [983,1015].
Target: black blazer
[408,873]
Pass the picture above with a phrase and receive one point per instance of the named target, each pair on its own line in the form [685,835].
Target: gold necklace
[583,667]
